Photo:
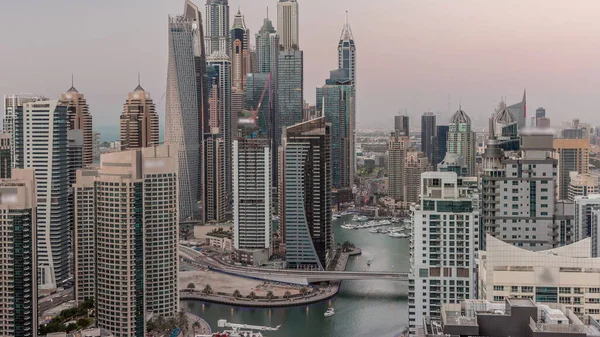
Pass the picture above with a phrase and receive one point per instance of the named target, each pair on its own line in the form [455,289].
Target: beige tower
[415,164]
[81,119]
[139,121]
[127,256]
[398,146]
[573,156]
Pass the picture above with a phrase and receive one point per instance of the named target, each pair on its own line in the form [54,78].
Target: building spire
[72,88]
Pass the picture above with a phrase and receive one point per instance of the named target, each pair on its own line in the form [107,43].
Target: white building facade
[252,194]
[443,246]
[567,275]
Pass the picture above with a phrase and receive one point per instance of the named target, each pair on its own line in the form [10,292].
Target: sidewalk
[204,326]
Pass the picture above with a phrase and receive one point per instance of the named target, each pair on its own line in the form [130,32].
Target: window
[546,294]
[526,289]
[564,290]
[515,198]
[423,272]
[514,289]
[498,298]
[515,183]
[564,300]
[544,190]
[498,288]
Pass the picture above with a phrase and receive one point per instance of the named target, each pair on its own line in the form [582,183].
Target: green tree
[405,331]
[270,295]
[207,290]
[191,286]
[83,323]
[196,326]
[252,295]
[303,291]
[287,294]
[236,293]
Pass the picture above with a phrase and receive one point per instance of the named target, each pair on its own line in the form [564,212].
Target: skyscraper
[461,140]
[307,179]
[214,196]
[288,24]
[519,111]
[440,144]
[13,104]
[240,52]
[252,193]
[133,199]
[47,153]
[80,119]
[540,113]
[397,148]
[290,84]
[573,156]
[192,14]
[427,133]
[139,121]
[267,47]
[518,203]
[217,27]
[222,78]
[442,265]
[335,101]
[415,164]
[182,117]
[347,52]
[402,125]
[18,267]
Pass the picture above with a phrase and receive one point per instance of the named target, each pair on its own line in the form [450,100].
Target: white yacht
[330,312]
[397,235]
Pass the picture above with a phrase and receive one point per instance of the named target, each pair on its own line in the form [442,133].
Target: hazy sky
[418,56]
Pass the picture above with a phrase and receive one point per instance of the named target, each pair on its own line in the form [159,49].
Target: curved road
[291,276]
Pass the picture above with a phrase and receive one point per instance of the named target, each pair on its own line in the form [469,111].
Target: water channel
[362,308]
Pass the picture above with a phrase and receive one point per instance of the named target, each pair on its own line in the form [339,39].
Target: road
[292,276]
[54,300]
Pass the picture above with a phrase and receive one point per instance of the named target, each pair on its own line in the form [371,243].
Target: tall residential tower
[139,121]
[217,32]
[288,24]
[80,119]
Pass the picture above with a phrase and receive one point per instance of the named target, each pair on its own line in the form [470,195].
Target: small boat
[330,312]
[347,226]
[397,235]
[369,263]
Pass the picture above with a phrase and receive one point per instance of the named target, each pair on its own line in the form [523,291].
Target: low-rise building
[567,275]
[514,317]
[221,241]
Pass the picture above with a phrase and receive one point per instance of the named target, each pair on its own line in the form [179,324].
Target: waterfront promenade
[315,294]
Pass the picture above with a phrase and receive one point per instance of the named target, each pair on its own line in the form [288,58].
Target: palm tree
[303,291]
[405,331]
[270,295]
[287,294]
[196,326]
[182,321]
[207,290]
[236,293]
[191,286]
[252,295]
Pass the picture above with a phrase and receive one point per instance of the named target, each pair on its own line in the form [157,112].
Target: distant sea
[109,133]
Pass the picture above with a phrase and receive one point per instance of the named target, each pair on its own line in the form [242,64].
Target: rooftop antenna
[139,81]
[346,18]
[267,12]
[72,80]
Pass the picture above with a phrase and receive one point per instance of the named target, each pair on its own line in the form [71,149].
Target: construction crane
[237,328]
[262,96]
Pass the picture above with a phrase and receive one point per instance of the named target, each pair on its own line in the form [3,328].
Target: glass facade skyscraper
[307,194]
[182,117]
[335,100]
[290,83]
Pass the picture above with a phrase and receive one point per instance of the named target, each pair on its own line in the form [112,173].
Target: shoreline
[320,296]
